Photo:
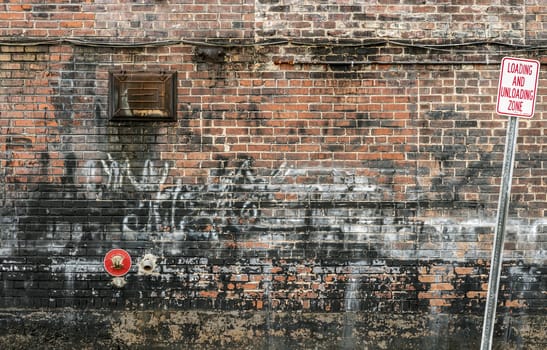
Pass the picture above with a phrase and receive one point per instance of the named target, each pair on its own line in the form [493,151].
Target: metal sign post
[516,98]
[497,253]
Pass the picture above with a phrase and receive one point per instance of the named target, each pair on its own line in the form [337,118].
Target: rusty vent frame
[142,96]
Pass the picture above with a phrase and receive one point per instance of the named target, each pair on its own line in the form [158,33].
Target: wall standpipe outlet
[117,264]
[147,265]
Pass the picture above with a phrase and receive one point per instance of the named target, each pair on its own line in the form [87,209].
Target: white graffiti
[149,183]
[181,211]
[326,206]
[115,173]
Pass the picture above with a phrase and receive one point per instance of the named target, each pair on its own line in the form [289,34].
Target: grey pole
[497,253]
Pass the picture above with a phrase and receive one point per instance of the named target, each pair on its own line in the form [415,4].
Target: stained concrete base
[76,329]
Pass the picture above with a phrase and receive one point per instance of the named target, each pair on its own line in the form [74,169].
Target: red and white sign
[117,262]
[517,87]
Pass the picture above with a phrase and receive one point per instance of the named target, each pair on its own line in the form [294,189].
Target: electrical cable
[484,47]
[217,44]
[19,41]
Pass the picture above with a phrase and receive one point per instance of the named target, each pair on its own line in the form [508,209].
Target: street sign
[117,262]
[516,98]
[517,87]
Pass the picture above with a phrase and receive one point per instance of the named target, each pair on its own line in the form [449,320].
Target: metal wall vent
[143,96]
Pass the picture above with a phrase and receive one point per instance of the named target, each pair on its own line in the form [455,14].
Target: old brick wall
[330,182]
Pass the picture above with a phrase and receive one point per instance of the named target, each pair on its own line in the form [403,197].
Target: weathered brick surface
[331,180]
[279,330]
